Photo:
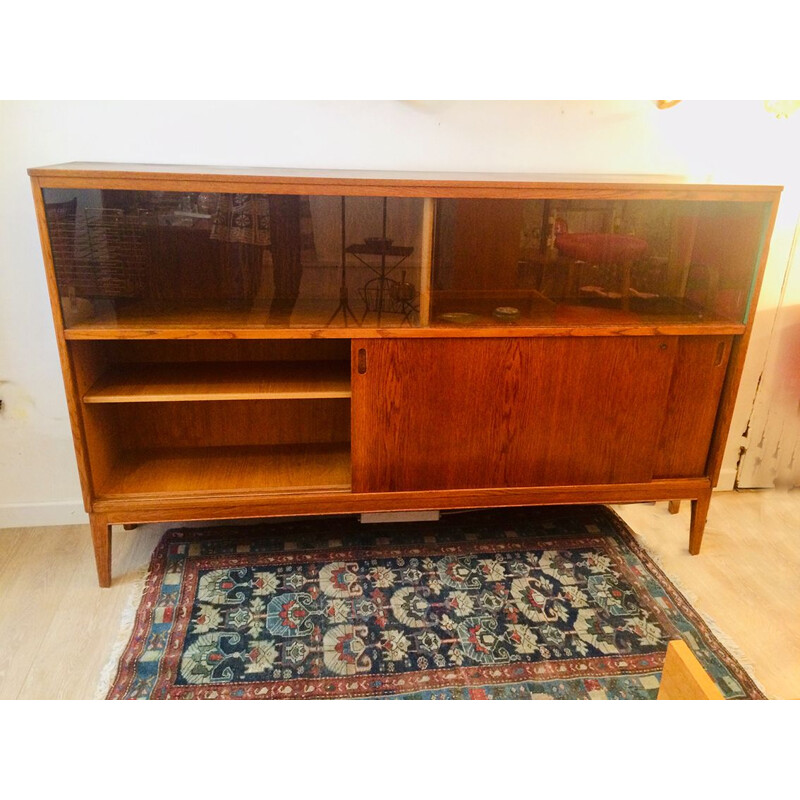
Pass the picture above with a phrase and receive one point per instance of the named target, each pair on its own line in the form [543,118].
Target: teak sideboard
[256,342]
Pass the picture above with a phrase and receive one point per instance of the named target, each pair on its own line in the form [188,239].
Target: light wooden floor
[57,628]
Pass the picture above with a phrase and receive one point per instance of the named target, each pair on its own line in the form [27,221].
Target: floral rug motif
[520,603]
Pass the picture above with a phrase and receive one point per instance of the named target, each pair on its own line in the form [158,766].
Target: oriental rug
[515,603]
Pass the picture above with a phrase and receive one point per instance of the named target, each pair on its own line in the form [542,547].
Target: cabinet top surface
[312,177]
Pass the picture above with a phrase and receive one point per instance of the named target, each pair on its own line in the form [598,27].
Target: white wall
[38,477]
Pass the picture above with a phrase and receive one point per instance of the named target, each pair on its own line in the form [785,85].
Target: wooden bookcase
[252,343]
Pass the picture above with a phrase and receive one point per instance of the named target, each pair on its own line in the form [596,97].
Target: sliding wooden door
[493,412]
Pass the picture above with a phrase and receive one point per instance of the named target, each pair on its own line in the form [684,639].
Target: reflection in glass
[201,260]
[234,259]
[589,261]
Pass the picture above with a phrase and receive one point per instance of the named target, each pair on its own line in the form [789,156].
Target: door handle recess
[362,361]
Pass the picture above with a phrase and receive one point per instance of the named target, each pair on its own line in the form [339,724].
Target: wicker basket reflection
[99,253]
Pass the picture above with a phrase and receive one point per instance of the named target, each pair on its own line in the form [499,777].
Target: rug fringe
[730,645]
[724,639]
[126,623]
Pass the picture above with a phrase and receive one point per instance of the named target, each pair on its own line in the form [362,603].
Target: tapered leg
[101,538]
[674,506]
[698,524]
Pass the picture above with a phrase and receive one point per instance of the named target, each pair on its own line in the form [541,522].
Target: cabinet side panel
[71,390]
[738,352]
[692,407]
[102,445]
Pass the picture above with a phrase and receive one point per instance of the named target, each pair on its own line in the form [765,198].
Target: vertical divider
[426,257]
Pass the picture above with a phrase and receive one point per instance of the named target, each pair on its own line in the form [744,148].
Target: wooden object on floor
[235,393]
[683,678]
[674,506]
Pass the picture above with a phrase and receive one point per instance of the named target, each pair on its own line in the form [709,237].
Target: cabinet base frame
[144,510]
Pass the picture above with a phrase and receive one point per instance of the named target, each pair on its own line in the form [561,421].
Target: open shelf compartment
[215,418]
[226,472]
[219,447]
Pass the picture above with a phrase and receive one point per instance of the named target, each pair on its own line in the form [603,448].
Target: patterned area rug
[522,603]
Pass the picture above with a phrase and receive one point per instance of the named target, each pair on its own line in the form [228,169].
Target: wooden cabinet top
[411,184]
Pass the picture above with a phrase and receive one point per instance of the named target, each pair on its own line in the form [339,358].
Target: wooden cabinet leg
[674,506]
[698,523]
[130,526]
[101,538]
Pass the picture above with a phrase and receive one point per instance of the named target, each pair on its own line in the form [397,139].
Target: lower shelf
[214,471]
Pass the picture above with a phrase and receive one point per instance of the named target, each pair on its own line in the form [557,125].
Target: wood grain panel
[229,350]
[481,413]
[227,422]
[692,406]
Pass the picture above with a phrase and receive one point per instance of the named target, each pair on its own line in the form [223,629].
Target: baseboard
[727,480]
[34,515]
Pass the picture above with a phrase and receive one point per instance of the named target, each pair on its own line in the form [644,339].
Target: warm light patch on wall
[782,109]
[737,141]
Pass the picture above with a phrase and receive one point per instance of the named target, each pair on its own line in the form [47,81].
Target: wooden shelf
[275,380]
[143,320]
[579,319]
[149,322]
[210,472]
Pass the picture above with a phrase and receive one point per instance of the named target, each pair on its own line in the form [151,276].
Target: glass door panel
[136,258]
[574,262]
